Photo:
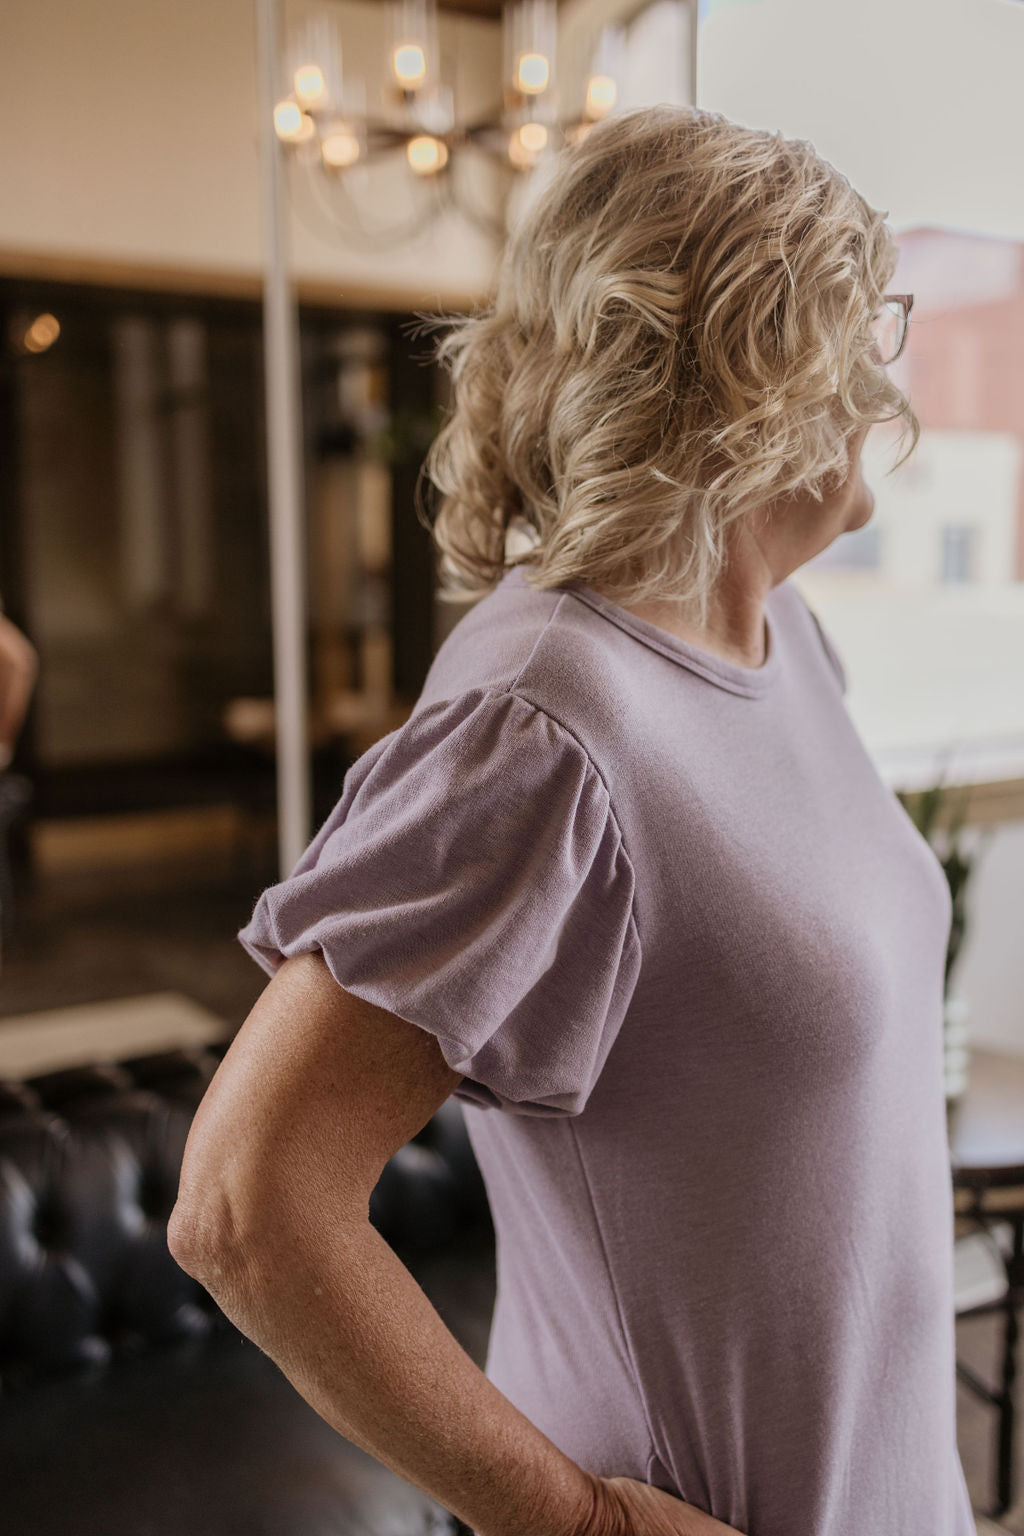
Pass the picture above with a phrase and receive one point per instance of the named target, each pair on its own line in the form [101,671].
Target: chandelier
[322,115]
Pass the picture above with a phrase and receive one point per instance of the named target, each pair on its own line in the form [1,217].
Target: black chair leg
[1007,1407]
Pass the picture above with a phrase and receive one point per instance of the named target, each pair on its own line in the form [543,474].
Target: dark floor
[85,938]
[89,936]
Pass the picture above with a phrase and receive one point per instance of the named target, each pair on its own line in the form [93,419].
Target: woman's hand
[624,1506]
[19,664]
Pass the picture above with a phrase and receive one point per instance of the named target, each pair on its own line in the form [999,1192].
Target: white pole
[284,473]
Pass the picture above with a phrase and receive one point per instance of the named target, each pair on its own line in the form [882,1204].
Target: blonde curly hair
[679,334]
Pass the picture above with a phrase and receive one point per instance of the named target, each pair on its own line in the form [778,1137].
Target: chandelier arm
[496,228]
[351,224]
[382,135]
[454,201]
[445,195]
[346,224]
[355,229]
[494,119]
[426,212]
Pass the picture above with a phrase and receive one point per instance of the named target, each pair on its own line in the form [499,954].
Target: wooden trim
[989,1201]
[136,837]
[110,272]
[482,10]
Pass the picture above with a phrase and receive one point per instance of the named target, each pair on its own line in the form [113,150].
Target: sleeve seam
[510,690]
[513,689]
[568,731]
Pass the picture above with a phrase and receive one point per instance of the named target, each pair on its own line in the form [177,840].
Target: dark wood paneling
[491,8]
[413,576]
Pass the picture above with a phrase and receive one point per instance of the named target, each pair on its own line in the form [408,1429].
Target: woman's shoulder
[538,645]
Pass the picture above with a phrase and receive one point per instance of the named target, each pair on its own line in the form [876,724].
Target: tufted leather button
[46,1223]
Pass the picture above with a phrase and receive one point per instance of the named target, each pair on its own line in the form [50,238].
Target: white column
[284,473]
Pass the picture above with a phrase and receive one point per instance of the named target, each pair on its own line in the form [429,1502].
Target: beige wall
[130,139]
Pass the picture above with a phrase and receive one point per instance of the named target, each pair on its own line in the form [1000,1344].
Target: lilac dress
[687,949]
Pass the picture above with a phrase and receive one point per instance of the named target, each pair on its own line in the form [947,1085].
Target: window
[946,596]
[957,552]
[933,634]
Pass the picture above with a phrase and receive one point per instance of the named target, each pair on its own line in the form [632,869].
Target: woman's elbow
[202,1236]
[228,1235]
[225,1196]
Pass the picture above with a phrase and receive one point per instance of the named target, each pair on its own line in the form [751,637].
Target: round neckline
[751,681]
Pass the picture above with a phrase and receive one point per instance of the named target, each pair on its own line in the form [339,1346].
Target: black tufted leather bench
[128,1402]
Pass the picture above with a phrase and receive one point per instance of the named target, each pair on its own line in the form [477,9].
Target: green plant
[406,435]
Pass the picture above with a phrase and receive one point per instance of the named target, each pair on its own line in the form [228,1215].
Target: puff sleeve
[472,879]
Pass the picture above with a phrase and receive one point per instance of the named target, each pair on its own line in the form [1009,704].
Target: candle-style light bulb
[414,49]
[607,66]
[288,117]
[601,94]
[426,155]
[313,64]
[527,144]
[340,146]
[533,73]
[529,33]
[410,65]
[309,85]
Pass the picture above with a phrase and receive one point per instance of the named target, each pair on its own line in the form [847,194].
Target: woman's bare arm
[316,1092]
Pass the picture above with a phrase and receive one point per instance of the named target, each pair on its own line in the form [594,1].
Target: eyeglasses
[889,325]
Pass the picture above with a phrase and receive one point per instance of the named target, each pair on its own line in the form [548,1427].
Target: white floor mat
[105,1031]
